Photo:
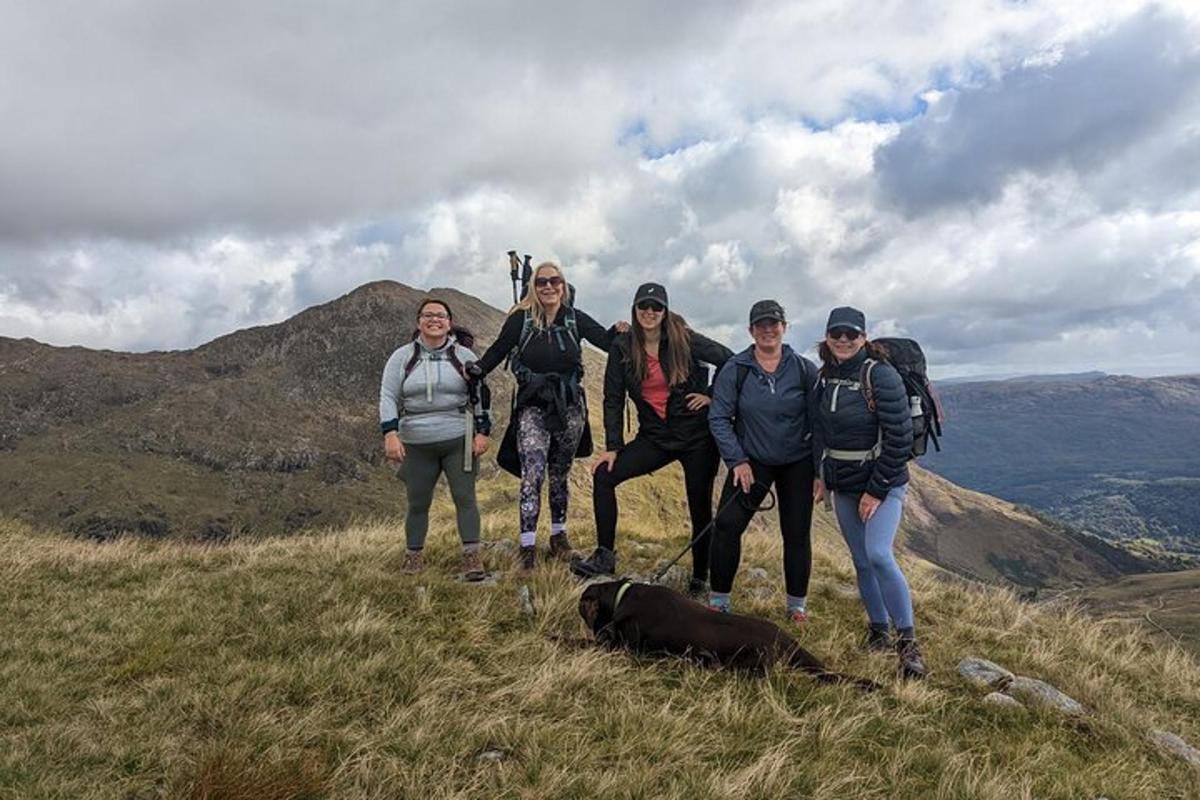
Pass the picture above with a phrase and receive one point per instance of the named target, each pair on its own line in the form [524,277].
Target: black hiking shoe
[602,561]
[561,549]
[527,558]
[912,667]
[697,589]
[878,639]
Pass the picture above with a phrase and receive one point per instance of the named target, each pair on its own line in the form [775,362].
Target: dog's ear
[589,607]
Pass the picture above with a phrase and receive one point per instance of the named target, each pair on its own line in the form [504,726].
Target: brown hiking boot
[414,563]
[561,549]
[472,566]
[527,558]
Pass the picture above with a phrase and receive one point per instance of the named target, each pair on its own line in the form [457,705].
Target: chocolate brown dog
[655,620]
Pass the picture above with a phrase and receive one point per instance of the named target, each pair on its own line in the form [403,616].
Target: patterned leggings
[541,450]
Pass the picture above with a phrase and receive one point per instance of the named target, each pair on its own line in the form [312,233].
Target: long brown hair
[828,362]
[675,330]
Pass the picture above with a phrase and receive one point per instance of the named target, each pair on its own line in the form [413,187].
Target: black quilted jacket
[848,424]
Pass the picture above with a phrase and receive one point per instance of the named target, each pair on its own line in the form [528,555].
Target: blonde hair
[532,303]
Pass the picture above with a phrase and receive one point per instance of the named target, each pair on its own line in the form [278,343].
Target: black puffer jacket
[682,429]
[844,422]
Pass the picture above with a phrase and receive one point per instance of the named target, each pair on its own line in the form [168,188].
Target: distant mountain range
[273,430]
[1115,455]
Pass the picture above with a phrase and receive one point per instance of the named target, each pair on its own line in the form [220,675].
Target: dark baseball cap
[766,309]
[651,291]
[847,317]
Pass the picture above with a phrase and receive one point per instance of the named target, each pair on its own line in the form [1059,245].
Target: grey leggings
[422,465]
[881,584]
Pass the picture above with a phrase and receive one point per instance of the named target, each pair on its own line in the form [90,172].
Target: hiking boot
[697,589]
[911,667]
[472,566]
[602,561]
[527,558]
[561,549]
[878,639]
[414,563]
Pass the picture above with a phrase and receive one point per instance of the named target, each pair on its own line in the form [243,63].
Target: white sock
[797,603]
[557,527]
[528,538]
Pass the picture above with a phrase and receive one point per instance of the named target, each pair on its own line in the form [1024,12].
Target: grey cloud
[1080,113]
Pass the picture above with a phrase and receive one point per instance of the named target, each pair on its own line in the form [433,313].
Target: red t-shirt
[654,388]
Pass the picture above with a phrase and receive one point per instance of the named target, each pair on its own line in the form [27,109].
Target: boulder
[1173,745]
[1033,692]
[1002,700]
[758,575]
[525,599]
[984,674]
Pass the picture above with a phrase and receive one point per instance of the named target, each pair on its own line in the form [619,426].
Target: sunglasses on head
[651,305]
[849,334]
[553,280]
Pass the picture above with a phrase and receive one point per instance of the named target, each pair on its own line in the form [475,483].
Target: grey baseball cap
[767,309]
[847,317]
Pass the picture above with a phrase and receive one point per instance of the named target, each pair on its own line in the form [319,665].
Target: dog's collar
[621,593]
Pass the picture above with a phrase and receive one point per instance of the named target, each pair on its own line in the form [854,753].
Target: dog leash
[743,497]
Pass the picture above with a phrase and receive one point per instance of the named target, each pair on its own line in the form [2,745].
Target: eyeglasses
[849,334]
[767,323]
[433,315]
[553,280]
[651,305]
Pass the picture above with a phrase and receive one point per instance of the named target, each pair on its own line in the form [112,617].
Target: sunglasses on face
[849,334]
[650,305]
[767,324]
[553,280]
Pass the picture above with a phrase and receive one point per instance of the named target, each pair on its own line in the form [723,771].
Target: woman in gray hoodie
[436,422]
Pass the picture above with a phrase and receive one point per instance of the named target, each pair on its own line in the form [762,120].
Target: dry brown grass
[306,667]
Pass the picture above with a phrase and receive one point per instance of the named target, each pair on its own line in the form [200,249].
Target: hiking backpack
[906,356]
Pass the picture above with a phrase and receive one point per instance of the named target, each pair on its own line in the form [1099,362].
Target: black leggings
[641,457]
[793,488]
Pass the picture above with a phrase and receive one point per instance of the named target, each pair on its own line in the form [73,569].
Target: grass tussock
[309,668]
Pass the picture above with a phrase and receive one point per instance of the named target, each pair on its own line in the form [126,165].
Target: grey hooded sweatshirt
[429,405]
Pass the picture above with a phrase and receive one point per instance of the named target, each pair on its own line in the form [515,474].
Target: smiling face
[844,343]
[649,314]
[433,321]
[549,286]
[768,333]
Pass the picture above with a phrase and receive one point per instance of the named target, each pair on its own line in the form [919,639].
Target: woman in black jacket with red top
[659,364]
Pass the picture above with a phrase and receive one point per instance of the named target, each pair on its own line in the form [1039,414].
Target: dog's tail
[803,660]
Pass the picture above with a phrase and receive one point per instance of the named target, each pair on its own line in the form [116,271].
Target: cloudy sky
[1016,184]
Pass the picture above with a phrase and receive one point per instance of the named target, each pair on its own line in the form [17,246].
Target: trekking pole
[514,270]
[736,496]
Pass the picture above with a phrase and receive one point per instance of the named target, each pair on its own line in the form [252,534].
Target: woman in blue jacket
[760,420]
[862,441]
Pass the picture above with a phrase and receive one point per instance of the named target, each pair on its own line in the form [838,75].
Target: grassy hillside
[1170,601]
[306,667]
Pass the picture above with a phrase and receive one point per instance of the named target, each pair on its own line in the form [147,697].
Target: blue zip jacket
[770,421]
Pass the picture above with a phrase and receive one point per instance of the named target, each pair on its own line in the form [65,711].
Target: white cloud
[173,172]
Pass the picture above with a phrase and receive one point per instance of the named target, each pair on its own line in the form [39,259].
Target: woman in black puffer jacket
[862,436]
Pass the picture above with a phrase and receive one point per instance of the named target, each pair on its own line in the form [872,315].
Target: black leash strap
[738,496]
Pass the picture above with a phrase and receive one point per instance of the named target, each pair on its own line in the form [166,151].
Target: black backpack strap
[414,360]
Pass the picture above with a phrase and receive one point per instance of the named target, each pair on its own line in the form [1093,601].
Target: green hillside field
[307,667]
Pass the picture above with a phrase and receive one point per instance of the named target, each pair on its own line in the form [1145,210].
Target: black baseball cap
[767,309]
[846,317]
[651,291]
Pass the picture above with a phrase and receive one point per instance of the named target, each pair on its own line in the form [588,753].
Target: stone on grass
[1002,700]
[984,674]
[757,574]
[760,593]
[526,600]
[1173,745]
[1033,692]
[422,598]
[491,756]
